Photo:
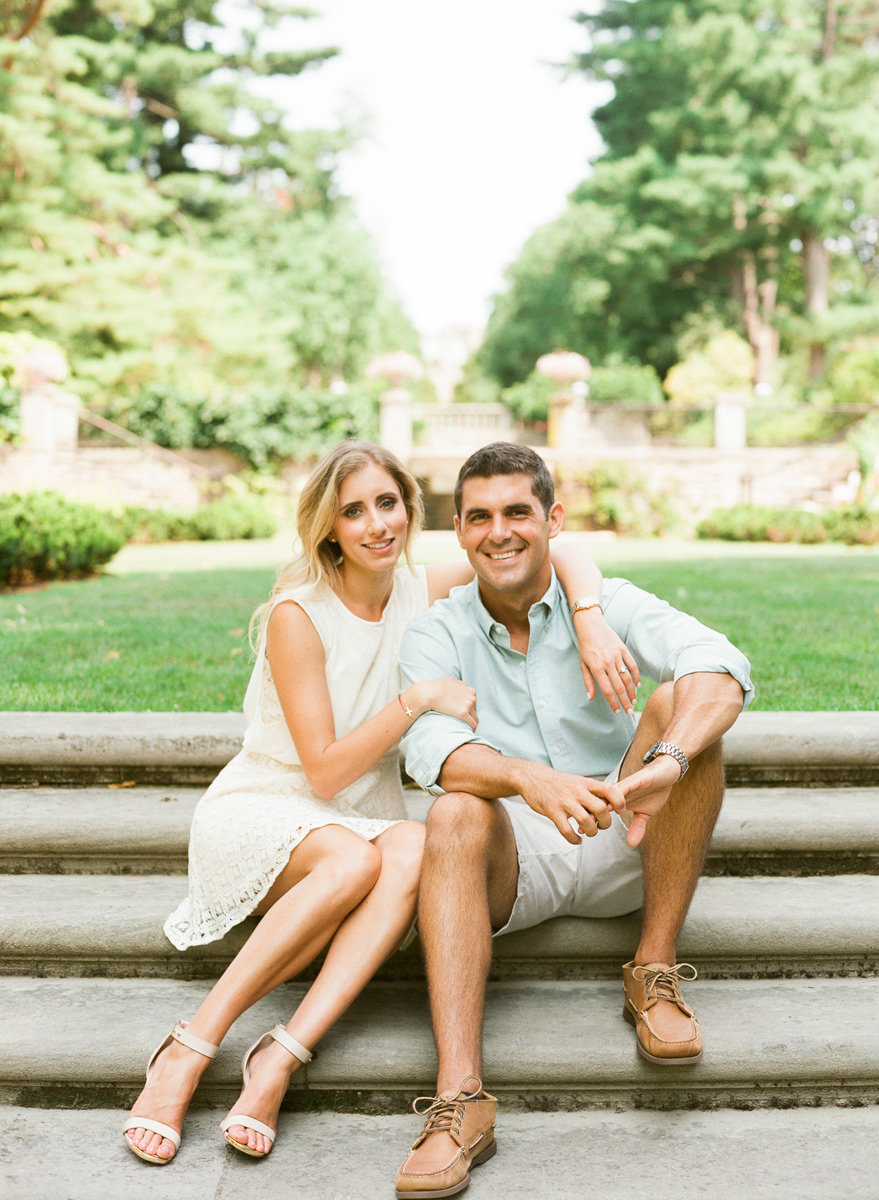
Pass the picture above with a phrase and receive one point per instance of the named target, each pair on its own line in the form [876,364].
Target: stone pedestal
[730,434]
[396,422]
[49,419]
[567,420]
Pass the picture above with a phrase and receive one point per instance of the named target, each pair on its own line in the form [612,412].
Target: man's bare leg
[468,887]
[674,846]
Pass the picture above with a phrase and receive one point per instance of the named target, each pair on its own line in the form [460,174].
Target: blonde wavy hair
[319,560]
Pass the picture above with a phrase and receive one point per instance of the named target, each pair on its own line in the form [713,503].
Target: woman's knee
[402,851]
[404,842]
[348,864]
[354,865]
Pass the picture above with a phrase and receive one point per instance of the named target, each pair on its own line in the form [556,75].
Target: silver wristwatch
[668,748]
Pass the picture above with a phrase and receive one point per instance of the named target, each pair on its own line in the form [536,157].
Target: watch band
[668,748]
[584,603]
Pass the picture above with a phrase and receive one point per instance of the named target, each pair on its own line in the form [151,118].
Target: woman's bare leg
[363,942]
[328,874]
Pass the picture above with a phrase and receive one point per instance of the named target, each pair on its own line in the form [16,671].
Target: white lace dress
[260,806]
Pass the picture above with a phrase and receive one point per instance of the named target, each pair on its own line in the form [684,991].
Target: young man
[554,805]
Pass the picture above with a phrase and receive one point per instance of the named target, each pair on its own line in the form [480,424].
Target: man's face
[506,534]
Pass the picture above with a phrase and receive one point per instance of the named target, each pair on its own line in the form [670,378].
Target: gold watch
[586,602]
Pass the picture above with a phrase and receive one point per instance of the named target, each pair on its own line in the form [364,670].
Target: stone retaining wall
[698,480]
[701,480]
[109,476]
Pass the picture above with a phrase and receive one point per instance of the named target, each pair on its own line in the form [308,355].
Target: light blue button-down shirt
[534,706]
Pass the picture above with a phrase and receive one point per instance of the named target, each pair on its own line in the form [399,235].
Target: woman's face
[371,521]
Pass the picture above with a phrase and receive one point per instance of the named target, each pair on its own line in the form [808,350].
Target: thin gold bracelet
[405,707]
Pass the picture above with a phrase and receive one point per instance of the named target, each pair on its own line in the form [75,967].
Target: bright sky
[474,139]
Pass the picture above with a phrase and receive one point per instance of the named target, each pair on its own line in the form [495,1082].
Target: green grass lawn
[167,629]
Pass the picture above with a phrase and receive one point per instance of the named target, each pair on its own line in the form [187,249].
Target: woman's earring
[330,538]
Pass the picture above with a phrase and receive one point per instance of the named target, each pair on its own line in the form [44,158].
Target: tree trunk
[816,274]
[31,21]
[816,260]
[828,46]
[758,304]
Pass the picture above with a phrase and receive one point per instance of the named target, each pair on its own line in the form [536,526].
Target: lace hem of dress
[213,921]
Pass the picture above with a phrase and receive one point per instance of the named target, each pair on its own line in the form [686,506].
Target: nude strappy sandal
[200,1046]
[278,1034]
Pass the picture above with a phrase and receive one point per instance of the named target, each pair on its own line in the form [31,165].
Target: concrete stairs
[784,929]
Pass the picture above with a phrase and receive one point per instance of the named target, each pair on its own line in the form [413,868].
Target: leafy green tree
[161,220]
[762,119]
[182,80]
[739,181]
[725,364]
[317,284]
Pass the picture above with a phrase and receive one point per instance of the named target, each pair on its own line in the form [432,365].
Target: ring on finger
[624,670]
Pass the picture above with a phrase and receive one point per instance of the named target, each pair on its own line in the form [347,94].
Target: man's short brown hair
[507,458]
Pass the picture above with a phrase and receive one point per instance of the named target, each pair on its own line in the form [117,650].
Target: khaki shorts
[599,878]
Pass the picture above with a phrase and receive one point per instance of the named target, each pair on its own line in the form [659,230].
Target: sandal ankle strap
[181,1034]
[280,1034]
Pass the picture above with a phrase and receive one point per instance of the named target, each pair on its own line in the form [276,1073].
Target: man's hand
[606,661]
[646,791]
[575,805]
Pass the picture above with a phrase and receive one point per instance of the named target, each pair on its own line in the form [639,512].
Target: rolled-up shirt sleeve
[667,643]
[429,652]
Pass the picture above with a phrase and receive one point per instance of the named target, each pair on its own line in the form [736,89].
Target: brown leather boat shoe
[666,1026]
[458,1134]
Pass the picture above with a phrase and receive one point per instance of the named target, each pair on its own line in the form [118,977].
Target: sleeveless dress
[261,806]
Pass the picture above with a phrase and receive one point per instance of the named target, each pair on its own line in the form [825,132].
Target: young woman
[306,826]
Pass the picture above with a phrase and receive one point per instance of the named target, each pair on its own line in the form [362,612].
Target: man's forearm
[706,705]
[482,771]
[574,804]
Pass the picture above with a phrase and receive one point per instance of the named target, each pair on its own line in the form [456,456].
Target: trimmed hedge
[45,536]
[232,517]
[265,426]
[852,524]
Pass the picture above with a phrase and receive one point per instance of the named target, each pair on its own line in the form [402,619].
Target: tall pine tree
[741,173]
[149,194]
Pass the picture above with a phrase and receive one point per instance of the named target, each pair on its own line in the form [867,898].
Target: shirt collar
[548,602]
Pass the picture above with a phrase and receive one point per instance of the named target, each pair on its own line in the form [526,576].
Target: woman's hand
[449,696]
[605,660]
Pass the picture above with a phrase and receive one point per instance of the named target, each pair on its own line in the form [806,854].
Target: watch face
[667,748]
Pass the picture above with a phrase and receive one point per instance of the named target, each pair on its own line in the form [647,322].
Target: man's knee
[659,707]
[459,819]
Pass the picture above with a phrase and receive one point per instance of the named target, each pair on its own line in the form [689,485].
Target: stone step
[809,831]
[811,1153]
[772,748]
[102,830]
[112,926]
[96,829]
[151,747]
[77,1042]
